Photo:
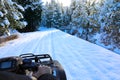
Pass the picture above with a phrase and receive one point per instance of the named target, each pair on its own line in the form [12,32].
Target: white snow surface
[1,14]
[6,22]
[80,59]
[20,7]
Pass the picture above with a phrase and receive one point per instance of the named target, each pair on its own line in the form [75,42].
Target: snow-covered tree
[47,15]
[55,15]
[88,19]
[10,16]
[32,14]
[65,16]
[51,14]
[110,21]
[93,17]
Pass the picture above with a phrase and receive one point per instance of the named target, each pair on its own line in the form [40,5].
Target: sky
[64,2]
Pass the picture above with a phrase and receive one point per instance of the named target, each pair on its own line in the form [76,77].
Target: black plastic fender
[58,71]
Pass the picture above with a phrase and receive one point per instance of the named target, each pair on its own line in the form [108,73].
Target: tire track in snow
[69,57]
[80,59]
[31,46]
[23,45]
[86,67]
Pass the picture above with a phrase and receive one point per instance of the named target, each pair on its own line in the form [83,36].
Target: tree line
[86,19]
[97,21]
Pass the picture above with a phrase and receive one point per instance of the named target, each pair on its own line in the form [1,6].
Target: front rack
[37,58]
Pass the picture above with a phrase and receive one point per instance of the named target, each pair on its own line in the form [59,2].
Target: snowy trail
[81,60]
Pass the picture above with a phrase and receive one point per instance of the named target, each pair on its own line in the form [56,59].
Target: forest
[97,21]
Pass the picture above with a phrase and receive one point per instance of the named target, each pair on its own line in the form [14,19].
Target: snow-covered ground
[81,60]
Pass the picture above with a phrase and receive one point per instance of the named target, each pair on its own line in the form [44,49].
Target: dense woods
[97,21]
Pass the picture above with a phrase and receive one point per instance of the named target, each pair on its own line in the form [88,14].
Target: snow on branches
[10,16]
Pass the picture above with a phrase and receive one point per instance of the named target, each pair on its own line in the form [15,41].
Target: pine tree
[32,14]
[51,16]
[47,15]
[10,16]
[111,28]
[65,16]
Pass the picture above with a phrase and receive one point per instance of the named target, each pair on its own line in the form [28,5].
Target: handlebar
[37,58]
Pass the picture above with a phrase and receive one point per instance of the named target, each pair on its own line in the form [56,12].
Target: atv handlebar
[41,59]
[37,58]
